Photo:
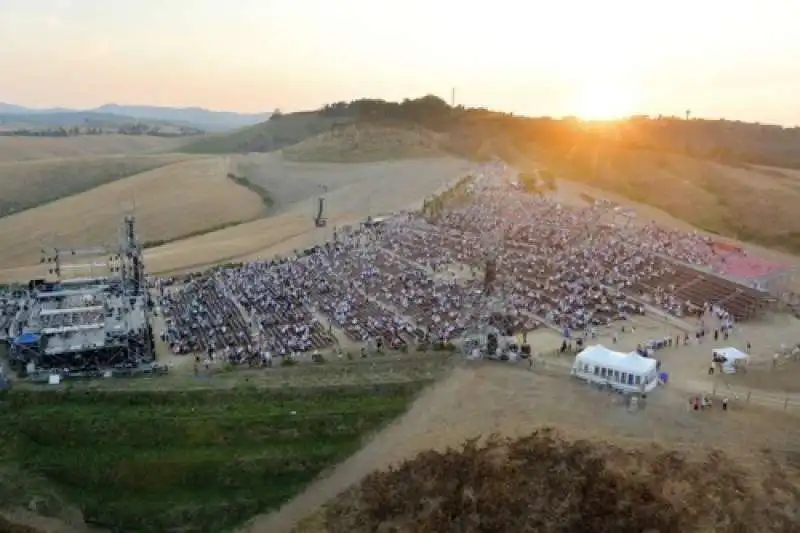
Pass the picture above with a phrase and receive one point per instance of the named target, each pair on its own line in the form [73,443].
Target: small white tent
[626,372]
[734,359]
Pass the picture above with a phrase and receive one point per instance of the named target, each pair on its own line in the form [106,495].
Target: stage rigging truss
[90,311]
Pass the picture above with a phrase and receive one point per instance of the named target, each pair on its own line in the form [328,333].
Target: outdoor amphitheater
[485,293]
[422,277]
[483,255]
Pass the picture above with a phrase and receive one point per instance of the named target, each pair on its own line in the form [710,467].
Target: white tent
[628,372]
[733,359]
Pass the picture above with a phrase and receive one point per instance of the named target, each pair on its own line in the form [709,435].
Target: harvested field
[355,191]
[199,461]
[171,202]
[290,183]
[367,142]
[33,148]
[28,184]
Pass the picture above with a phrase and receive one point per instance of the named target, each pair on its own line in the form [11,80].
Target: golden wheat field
[362,143]
[31,148]
[170,202]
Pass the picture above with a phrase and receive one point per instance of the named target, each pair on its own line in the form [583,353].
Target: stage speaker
[491,344]
[525,350]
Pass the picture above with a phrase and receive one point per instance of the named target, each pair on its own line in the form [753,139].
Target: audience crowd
[421,278]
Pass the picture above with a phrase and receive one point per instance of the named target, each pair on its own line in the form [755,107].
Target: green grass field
[194,461]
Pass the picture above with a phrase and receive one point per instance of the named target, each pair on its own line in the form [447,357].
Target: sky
[737,59]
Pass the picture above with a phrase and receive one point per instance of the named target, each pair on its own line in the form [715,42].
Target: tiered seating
[696,289]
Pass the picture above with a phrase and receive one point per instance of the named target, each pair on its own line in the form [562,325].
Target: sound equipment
[525,351]
[489,277]
[491,344]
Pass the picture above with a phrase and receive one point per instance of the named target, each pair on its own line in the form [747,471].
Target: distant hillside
[468,129]
[68,119]
[194,117]
[20,110]
[278,132]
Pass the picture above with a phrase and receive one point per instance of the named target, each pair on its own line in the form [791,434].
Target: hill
[27,184]
[544,482]
[114,113]
[171,202]
[70,119]
[278,132]
[352,143]
[746,202]
[194,116]
[36,148]
[730,178]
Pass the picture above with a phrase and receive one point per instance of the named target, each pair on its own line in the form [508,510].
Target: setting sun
[605,101]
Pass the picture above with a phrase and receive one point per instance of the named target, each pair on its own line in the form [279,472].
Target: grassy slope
[24,185]
[744,202]
[734,200]
[365,143]
[274,134]
[213,201]
[198,461]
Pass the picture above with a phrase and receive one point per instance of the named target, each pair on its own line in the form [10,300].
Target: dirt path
[376,454]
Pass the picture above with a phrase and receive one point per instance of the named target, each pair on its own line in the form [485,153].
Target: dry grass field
[172,201]
[28,184]
[32,148]
[745,202]
[356,191]
[362,143]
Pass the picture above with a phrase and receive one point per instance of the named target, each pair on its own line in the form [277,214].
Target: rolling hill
[28,184]
[195,117]
[276,133]
[13,148]
[171,202]
[365,142]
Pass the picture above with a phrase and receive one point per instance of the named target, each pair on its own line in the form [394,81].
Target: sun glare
[605,101]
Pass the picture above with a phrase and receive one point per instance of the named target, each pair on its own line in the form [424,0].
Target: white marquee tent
[734,359]
[628,372]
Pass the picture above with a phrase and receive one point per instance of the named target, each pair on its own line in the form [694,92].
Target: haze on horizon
[735,59]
